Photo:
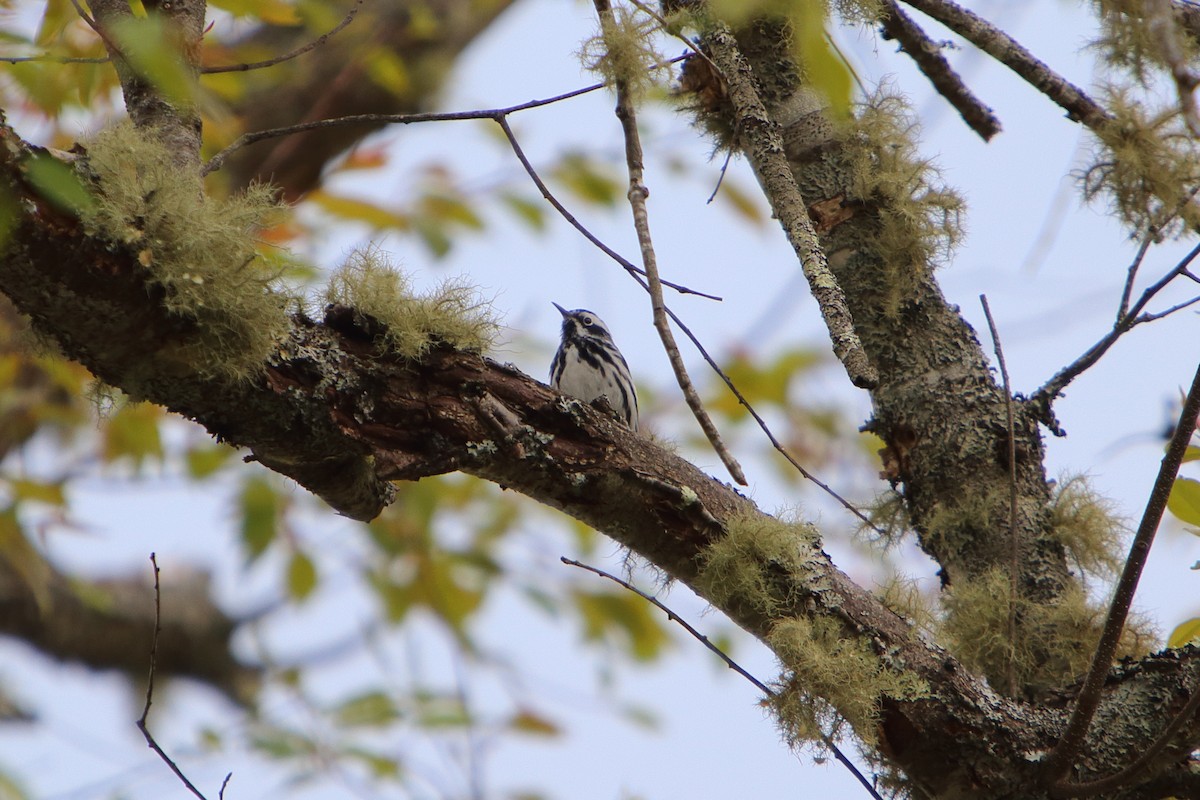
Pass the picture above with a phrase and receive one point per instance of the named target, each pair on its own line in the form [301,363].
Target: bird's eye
[588,321]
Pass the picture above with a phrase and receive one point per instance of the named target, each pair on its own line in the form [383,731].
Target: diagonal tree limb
[928,57]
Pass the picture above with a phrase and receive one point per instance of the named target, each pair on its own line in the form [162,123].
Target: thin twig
[141,723]
[1165,313]
[641,223]
[933,65]
[55,59]
[721,654]
[1131,275]
[762,142]
[1060,760]
[299,51]
[1043,398]
[629,266]
[1014,553]
[762,423]
[1012,54]
[217,161]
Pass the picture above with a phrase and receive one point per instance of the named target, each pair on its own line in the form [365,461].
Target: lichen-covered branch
[758,134]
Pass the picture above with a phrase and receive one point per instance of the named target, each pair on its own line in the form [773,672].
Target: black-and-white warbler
[589,366]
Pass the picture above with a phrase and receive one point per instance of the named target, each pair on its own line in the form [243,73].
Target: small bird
[589,366]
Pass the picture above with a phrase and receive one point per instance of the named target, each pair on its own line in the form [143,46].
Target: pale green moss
[623,50]
[920,221]
[746,565]
[201,252]
[1146,165]
[1056,641]
[454,314]
[825,665]
[1088,526]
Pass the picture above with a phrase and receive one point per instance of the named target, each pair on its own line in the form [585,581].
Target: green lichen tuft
[1145,165]
[757,560]
[1088,526]
[454,314]
[824,662]
[920,221]
[202,253]
[623,50]
[1055,642]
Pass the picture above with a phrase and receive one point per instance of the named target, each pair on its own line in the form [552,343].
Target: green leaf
[37,491]
[381,767]
[204,461]
[301,576]
[1185,633]
[1192,453]
[1184,500]
[281,743]
[58,184]
[529,211]
[359,210]
[260,506]
[132,433]
[151,49]
[372,709]
[623,617]
[579,173]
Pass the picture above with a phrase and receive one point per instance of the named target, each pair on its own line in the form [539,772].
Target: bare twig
[1131,275]
[641,222]
[46,58]
[762,141]
[299,51]
[783,451]
[1064,753]
[928,57]
[217,161]
[141,723]
[721,654]
[1044,397]
[1013,542]
[629,266]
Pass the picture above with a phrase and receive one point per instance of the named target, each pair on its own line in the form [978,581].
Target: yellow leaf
[1184,500]
[1185,633]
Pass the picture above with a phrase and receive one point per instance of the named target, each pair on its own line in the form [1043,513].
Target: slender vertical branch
[1014,577]
[1069,746]
[641,223]
[141,723]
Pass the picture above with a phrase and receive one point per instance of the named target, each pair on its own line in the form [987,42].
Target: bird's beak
[561,310]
